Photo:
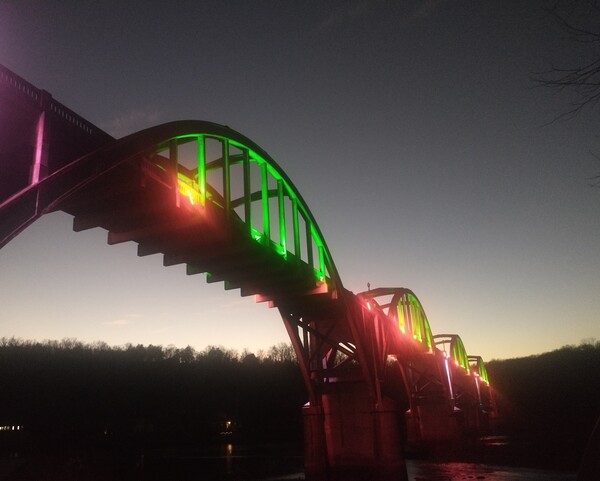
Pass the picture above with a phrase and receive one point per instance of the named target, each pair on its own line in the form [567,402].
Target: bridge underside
[137,202]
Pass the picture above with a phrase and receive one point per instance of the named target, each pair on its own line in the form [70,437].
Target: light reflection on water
[240,463]
[233,462]
[236,464]
[428,471]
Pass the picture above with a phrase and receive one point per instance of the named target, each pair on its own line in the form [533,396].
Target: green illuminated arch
[477,364]
[452,344]
[407,312]
[410,316]
[237,178]
[218,165]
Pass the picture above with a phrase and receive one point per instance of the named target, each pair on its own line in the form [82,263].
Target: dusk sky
[412,128]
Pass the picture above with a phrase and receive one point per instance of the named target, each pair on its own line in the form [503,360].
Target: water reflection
[238,462]
[428,471]
[229,458]
[228,462]
[276,463]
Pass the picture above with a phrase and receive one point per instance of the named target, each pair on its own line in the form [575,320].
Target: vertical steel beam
[174,165]
[409,321]
[297,248]
[247,190]
[281,208]
[322,261]
[309,243]
[226,177]
[202,170]
[264,181]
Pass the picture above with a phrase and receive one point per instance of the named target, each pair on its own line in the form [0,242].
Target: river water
[239,468]
[427,471]
[237,463]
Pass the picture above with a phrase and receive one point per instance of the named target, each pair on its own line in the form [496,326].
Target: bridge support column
[437,422]
[434,424]
[351,438]
[315,450]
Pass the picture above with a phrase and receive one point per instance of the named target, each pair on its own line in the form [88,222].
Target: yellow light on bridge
[189,192]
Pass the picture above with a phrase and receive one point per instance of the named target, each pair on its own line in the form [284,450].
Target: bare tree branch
[580,20]
[595,180]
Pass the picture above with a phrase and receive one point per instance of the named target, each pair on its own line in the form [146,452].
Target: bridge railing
[44,100]
[20,85]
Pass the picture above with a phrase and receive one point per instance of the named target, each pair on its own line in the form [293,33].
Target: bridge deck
[138,202]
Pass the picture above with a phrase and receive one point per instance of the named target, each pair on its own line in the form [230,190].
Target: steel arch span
[198,192]
[206,196]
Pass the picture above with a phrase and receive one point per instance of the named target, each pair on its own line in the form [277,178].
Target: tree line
[66,393]
[62,391]
[281,352]
[549,403]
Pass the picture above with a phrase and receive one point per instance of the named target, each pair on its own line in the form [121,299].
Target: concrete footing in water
[349,437]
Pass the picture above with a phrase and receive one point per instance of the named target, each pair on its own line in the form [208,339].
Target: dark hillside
[549,403]
[68,392]
[68,401]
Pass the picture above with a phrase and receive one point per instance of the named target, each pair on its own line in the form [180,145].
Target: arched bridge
[208,197]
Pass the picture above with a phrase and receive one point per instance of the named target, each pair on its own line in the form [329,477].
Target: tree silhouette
[580,20]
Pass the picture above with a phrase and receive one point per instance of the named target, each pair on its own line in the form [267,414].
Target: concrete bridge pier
[438,422]
[351,438]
